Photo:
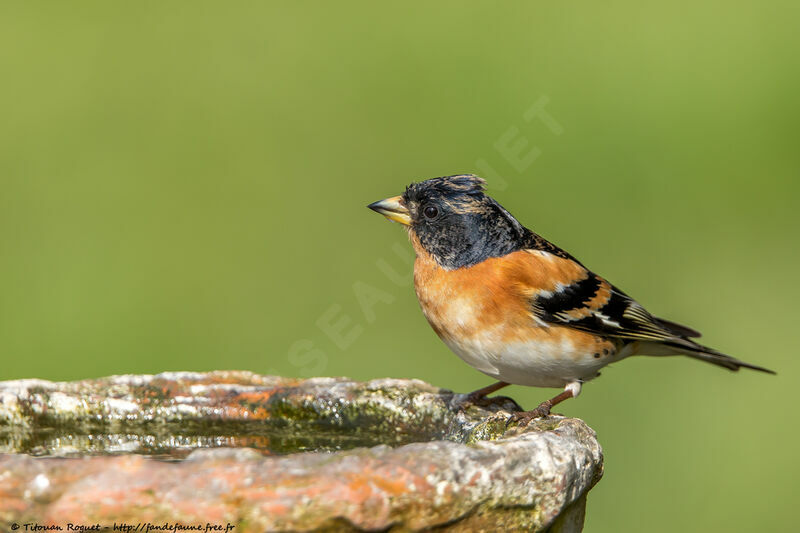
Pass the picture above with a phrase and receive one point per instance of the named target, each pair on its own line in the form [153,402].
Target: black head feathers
[468,184]
[458,224]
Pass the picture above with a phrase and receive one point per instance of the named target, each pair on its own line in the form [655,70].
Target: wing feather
[585,301]
[590,303]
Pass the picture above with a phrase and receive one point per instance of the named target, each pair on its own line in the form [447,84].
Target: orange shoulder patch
[496,291]
[534,271]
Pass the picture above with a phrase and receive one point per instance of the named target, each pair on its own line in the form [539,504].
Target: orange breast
[494,292]
[495,296]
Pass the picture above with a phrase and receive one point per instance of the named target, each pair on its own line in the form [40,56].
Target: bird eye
[430,211]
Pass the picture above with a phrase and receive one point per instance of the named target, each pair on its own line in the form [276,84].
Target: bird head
[454,220]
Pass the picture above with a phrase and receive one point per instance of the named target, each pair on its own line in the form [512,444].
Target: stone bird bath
[265,453]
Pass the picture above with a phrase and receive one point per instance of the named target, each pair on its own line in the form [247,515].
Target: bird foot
[475,398]
[465,401]
[480,396]
[524,417]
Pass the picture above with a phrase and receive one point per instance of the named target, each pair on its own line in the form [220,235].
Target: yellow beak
[393,209]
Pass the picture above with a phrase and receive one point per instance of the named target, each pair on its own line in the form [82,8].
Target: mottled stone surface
[395,455]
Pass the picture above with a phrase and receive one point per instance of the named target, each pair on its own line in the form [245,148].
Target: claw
[524,417]
[474,399]
[479,397]
[468,400]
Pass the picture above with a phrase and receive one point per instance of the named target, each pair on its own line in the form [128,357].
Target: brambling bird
[515,306]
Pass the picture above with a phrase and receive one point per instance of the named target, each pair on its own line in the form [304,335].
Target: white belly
[487,323]
[550,362]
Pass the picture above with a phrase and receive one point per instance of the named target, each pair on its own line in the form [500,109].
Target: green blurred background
[183,188]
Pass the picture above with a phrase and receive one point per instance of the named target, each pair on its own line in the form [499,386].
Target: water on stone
[174,441]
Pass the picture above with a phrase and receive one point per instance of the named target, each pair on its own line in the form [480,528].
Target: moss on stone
[492,428]
[505,478]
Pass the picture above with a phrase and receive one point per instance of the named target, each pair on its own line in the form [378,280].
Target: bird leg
[524,417]
[486,391]
[475,397]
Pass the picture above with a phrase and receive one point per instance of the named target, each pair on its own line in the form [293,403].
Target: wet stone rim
[401,454]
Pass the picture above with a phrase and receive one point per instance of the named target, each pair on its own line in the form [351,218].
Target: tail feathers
[704,353]
[678,329]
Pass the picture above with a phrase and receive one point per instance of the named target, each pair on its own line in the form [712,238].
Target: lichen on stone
[272,453]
